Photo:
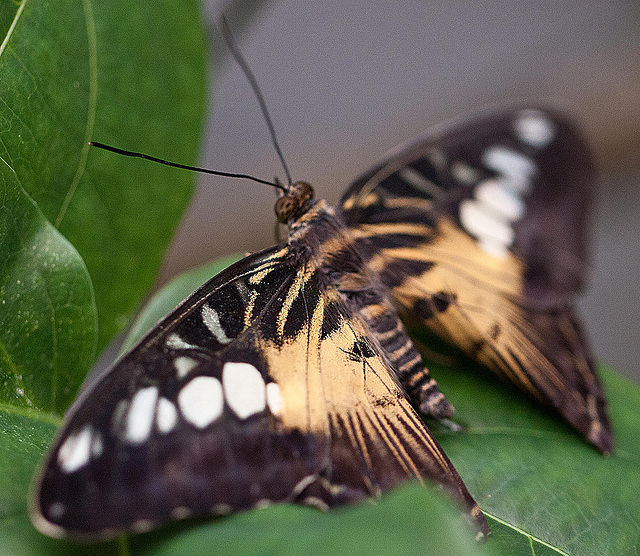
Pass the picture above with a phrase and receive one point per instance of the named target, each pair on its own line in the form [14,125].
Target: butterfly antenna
[184,166]
[235,52]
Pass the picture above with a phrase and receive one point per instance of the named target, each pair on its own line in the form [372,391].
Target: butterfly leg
[414,377]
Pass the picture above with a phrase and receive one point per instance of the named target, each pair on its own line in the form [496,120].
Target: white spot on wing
[183,365]
[499,199]
[167,416]
[140,415]
[497,202]
[201,401]
[181,512]
[244,389]
[75,450]
[494,235]
[516,168]
[316,503]
[493,247]
[211,320]
[176,342]
[438,158]
[534,128]
[274,398]
[142,525]
[56,510]
[464,173]
[303,483]
[96,445]
[221,509]
[118,414]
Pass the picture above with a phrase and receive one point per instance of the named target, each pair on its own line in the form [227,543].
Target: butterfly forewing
[478,230]
[262,387]
[138,445]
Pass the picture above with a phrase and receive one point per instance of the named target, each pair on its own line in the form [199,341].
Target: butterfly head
[294,202]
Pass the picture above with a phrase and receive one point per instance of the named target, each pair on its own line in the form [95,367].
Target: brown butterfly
[289,377]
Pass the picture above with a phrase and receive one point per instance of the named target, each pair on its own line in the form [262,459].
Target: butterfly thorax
[319,233]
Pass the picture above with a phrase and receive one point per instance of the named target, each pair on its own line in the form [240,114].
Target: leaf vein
[523,532]
[16,18]
[35,414]
[91,110]
[19,119]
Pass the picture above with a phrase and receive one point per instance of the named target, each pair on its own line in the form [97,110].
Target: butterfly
[290,376]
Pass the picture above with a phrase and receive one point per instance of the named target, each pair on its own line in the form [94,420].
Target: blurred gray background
[347,81]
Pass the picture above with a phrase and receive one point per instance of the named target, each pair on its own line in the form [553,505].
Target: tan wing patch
[356,403]
[541,351]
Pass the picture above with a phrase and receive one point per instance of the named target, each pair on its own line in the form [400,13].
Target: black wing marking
[248,394]
[479,231]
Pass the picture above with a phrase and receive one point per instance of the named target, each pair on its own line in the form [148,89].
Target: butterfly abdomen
[387,328]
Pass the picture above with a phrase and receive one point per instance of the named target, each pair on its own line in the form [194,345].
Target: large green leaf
[545,490]
[410,521]
[121,72]
[129,73]
[47,311]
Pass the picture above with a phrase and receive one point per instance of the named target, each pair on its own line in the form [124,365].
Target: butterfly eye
[285,207]
[292,201]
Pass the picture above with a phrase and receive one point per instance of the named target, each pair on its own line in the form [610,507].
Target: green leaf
[544,490]
[120,72]
[47,310]
[25,435]
[127,73]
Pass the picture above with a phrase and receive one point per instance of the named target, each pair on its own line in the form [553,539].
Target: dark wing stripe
[224,279]
[357,441]
[344,424]
[396,449]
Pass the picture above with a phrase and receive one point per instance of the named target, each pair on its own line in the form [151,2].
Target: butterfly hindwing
[261,387]
[478,230]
